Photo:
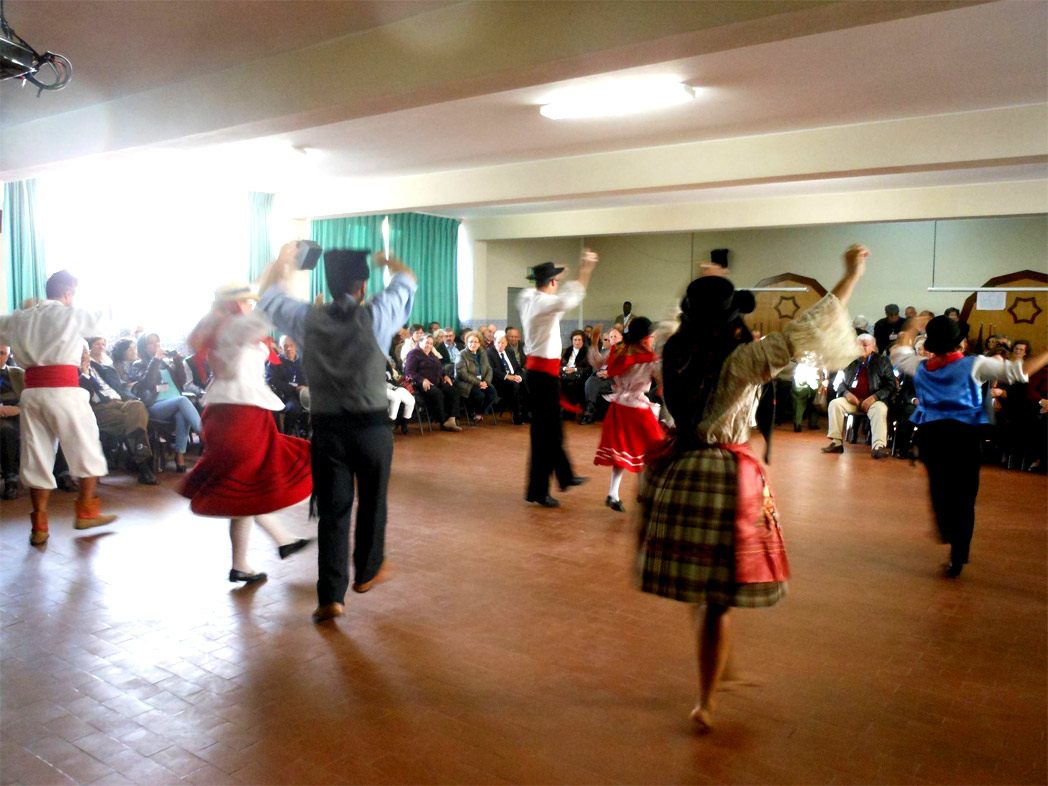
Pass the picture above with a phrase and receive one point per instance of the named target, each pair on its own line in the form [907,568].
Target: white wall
[652,270]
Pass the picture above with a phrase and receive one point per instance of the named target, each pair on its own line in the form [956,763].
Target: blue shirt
[389,309]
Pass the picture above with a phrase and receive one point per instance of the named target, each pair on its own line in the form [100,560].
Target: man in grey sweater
[342,352]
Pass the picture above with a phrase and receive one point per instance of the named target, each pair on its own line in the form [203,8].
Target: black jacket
[878,373]
[146,376]
[499,371]
[110,376]
[582,367]
[284,377]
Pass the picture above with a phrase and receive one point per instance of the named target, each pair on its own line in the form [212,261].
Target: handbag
[407,384]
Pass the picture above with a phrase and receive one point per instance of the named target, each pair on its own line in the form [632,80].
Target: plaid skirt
[687,539]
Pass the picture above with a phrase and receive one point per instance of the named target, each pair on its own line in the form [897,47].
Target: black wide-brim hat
[544,272]
[944,335]
[345,266]
[713,300]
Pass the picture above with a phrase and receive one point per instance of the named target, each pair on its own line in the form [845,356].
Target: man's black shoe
[146,476]
[578,480]
[66,483]
[548,502]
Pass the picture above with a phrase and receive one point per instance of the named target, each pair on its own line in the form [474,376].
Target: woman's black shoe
[617,506]
[249,578]
[404,427]
[291,548]
[180,468]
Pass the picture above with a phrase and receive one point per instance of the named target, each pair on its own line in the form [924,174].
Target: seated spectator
[473,377]
[861,325]
[433,327]
[400,399]
[97,347]
[953,313]
[198,375]
[426,372]
[868,385]
[159,384]
[508,378]
[599,386]
[807,381]
[488,336]
[575,369]
[412,342]
[515,347]
[118,412]
[449,349]
[886,331]
[909,313]
[124,356]
[288,380]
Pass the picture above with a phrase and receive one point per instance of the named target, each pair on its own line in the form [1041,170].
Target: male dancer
[49,340]
[540,309]
[343,348]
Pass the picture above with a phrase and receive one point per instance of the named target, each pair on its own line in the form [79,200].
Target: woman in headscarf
[630,426]
[710,533]
[249,469]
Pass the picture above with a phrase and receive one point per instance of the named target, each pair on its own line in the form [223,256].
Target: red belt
[52,377]
[549,366]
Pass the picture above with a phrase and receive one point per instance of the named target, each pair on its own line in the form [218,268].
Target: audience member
[488,336]
[575,370]
[97,348]
[433,327]
[449,350]
[861,325]
[867,386]
[886,331]
[807,382]
[622,321]
[953,314]
[910,312]
[401,401]
[159,384]
[599,385]
[412,342]
[473,377]
[287,379]
[514,346]
[426,372]
[12,383]
[119,414]
[124,356]
[507,378]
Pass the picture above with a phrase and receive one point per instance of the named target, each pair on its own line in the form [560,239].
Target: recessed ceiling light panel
[618,97]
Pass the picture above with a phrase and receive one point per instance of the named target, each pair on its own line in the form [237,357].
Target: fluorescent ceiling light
[618,97]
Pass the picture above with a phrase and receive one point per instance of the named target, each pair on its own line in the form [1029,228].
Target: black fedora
[542,274]
[345,266]
[944,335]
[713,300]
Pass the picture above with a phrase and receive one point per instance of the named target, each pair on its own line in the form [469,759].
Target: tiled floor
[511,646]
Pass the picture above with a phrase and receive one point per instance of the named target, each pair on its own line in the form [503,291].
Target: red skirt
[628,431]
[248,467]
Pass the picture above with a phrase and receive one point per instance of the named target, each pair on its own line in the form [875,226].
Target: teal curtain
[360,232]
[429,246]
[260,251]
[25,272]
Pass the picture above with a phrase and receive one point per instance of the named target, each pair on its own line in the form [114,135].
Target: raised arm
[854,267]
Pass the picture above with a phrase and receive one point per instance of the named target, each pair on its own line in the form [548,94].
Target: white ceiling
[385,92]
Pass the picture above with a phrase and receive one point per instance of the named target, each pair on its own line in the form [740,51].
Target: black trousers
[442,401]
[547,436]
[349,450]
[952,454]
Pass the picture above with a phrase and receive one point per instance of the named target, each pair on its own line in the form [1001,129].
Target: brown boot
[89,514]
[39,534]
[451,424]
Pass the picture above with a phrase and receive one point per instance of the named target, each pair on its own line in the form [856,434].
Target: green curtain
[25,272]
[429,246]
[260,250]
[360,232]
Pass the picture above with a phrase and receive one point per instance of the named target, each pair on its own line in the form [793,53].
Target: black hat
[713,300]
[638,329]
[345,266]
[944,335]
[544,273]
[891,308]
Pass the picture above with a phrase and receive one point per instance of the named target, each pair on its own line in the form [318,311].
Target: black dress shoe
[952,570]
[10,489]
[66,483]
[404,427]
[248,578]
[796,428]
[578,480]
[617,506]
[548,502]
[146,476]
[291,548]
[180,468]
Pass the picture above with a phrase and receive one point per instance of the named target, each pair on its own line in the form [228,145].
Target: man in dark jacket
[119,413]
[868,385]
[288,380]
[887,330]
[508,378]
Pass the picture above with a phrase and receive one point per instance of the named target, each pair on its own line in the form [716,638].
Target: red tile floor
[511,647]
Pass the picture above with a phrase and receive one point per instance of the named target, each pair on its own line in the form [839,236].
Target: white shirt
[541,312]
[238,361]
[984,369]
[571,358]
[408,345]
[48,334]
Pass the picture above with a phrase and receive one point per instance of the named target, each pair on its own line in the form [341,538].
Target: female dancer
[630,425]
[949,412]
[710,533]
[248,469]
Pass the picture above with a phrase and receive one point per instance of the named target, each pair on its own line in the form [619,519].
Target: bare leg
[39,498]
[87,488]
[713,635]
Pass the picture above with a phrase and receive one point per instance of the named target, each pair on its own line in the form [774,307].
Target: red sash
[760,554]
[549,366]
[52,377]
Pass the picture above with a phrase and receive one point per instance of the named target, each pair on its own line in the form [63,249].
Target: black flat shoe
[66,483]
[548,502]
[291,548]
[578,480]
[248,578]
[616,505]
[180,468]
[608,500]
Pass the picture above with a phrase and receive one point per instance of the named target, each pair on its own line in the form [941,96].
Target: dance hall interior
[165,152]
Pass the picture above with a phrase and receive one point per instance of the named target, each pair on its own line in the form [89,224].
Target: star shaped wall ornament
[783,312]
[1029,312]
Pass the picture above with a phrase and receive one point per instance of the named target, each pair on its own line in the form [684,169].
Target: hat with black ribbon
[544,273]
[713,300]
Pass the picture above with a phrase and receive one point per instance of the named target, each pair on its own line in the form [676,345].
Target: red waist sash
[760,554]
[52,377]
[549,366]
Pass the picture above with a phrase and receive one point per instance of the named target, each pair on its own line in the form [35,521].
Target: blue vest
[949,392]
